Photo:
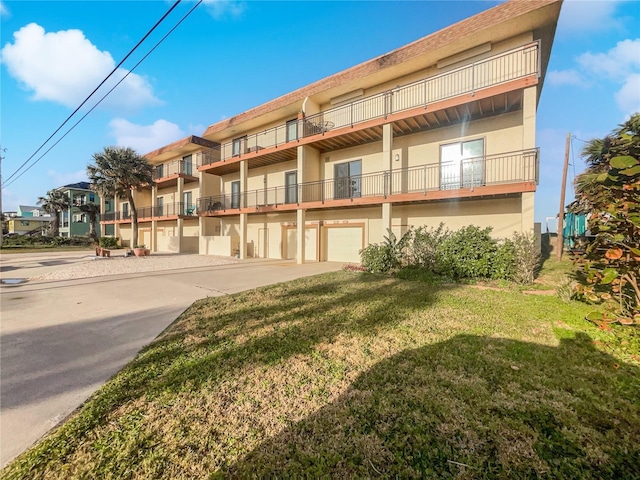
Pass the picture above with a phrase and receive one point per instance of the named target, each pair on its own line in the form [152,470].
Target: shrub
[467,253]
[503,264]
[422,246]
[378,258]
[527,257]
[108,242]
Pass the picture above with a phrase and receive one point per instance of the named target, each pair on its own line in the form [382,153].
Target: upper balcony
[169,211]
[485,87]
[167,174]
[502,174]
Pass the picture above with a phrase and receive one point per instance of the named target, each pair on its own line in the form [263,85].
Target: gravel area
[98,266]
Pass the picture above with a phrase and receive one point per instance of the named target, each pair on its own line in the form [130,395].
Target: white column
[300,236]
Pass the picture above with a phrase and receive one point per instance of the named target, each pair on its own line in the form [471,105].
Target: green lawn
[358,375]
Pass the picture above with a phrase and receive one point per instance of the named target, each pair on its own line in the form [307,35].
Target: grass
[358,375]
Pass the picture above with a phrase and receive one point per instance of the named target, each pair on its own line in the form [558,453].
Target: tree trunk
[134,220]
[92,227]
[55,225]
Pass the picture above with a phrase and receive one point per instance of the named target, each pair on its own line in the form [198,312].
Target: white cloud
[60,179]
[628,97]
[564,77]
[4,11]
[220,8]
[64,67]
[588,16]
[144,138]
[617,63]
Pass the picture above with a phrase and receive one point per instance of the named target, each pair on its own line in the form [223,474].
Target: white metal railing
[517,63]
[504,168]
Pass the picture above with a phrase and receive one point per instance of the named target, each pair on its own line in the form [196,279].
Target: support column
[529,105]
[243,236]
[244,173]
[180,212]
[386,219]
[300,222]
[387,147]
[154,223]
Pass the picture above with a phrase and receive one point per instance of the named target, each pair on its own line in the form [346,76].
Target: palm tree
[117,171]
[54,202]
[92,210]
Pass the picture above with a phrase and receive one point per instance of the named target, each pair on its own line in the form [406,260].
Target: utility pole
[2,150]
[562,192]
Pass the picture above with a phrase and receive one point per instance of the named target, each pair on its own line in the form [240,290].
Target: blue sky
[230,56]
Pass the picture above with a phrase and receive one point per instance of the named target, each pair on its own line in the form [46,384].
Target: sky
[229,56]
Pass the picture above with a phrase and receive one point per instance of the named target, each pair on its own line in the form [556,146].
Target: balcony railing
[173,168]
[159,211]
[511,65]
[506,168]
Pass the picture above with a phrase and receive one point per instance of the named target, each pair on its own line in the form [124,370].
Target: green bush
[378,258]
[422,246]
[467,253]
[503,264]
[108,242]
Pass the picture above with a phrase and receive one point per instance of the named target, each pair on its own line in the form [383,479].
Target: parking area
[61,339]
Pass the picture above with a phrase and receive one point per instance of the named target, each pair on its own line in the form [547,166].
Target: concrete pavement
[61,340]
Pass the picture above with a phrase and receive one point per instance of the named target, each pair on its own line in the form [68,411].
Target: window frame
[460,172]
[350,185]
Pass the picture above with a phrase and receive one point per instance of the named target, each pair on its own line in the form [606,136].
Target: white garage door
[310,243]
[344,244]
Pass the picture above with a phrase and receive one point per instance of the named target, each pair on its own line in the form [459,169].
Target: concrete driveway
[61,340]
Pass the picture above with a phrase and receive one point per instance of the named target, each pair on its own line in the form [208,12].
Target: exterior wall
[504,215]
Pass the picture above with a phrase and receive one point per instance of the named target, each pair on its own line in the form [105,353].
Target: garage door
[310,243]
[344,244]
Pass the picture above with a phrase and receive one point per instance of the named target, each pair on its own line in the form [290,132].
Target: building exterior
[440,130]
[73,221]
[28,220]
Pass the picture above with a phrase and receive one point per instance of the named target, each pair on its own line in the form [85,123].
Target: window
[160,171]
[79,218]
[125,210]
[24,223]
[159,206]
[187,168]
[292,130]
[238,145]
[92,197]
[348,177]
[291,187]
[235,194]
[462,164]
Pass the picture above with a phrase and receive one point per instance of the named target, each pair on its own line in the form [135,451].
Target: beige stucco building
[440,130]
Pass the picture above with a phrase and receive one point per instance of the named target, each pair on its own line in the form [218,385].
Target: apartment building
[73,221]
[167,217]
[439,130]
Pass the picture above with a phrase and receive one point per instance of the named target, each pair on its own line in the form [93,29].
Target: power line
[96,89]
[106,94]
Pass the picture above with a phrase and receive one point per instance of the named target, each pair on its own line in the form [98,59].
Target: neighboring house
[73,221]
[439,130]
[28,220]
